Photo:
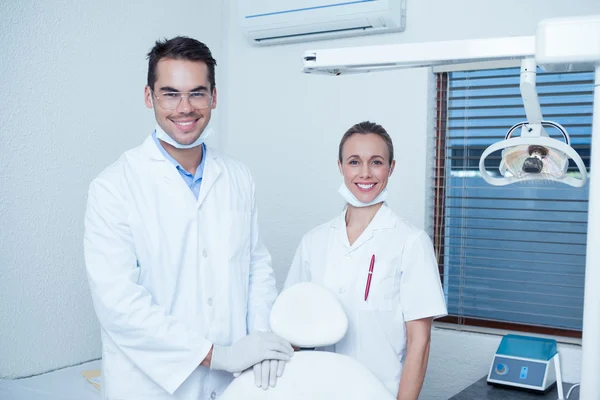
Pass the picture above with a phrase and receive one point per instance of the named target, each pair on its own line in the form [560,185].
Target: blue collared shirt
[193,181]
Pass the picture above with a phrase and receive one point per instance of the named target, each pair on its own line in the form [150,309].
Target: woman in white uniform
[382,269]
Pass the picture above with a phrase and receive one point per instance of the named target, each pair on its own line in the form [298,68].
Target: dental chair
[309,316]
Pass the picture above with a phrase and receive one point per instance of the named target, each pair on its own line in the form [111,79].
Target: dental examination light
[560,45]
[534,155]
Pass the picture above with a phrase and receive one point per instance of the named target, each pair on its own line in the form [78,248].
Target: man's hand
[251,350]
[266,373]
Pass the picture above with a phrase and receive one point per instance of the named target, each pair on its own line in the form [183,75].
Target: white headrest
[308,315]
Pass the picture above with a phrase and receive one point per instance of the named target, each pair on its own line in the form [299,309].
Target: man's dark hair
[180,48]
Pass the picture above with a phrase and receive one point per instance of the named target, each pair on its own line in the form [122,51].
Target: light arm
[415,55]
[529,92]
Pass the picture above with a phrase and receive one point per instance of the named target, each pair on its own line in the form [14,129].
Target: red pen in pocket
[368,286]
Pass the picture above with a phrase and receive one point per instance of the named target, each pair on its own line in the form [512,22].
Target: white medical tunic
[405,285]
[171,274]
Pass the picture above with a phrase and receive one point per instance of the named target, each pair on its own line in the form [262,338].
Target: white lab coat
[405,286]
[169,274]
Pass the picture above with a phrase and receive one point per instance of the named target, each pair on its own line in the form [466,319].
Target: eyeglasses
[171,100]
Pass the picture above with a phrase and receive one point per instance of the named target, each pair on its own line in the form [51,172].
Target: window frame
[441,80]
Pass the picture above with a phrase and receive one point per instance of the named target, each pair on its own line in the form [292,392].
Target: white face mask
[164,136]
[352,200]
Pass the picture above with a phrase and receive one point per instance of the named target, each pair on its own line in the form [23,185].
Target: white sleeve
[262,290]
[421,294]
[300,269]
[164,348]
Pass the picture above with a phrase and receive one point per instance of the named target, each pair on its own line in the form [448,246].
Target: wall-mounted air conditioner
[282,21]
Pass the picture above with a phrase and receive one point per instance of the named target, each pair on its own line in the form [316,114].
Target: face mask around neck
[352,200]
[162,135]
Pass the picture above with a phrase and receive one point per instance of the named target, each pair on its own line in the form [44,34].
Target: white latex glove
[266,373]
[249,351]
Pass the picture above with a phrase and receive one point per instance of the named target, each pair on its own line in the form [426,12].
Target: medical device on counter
[526,362]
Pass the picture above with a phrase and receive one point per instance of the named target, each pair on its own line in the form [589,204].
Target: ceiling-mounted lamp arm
[362,59]
[533,111]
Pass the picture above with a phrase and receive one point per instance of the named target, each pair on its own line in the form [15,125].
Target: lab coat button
[210,301]
[205,253]
[213,395]
[342,290]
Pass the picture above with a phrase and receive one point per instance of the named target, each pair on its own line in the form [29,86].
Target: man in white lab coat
[181,282]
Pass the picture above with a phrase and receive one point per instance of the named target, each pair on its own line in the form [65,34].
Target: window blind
[516,253]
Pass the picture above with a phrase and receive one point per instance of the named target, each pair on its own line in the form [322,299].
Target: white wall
[72,76]
[286,126]
[71,84]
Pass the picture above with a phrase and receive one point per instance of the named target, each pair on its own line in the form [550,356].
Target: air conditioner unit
[283,21]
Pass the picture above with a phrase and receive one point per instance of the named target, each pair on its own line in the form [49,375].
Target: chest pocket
[383,290]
